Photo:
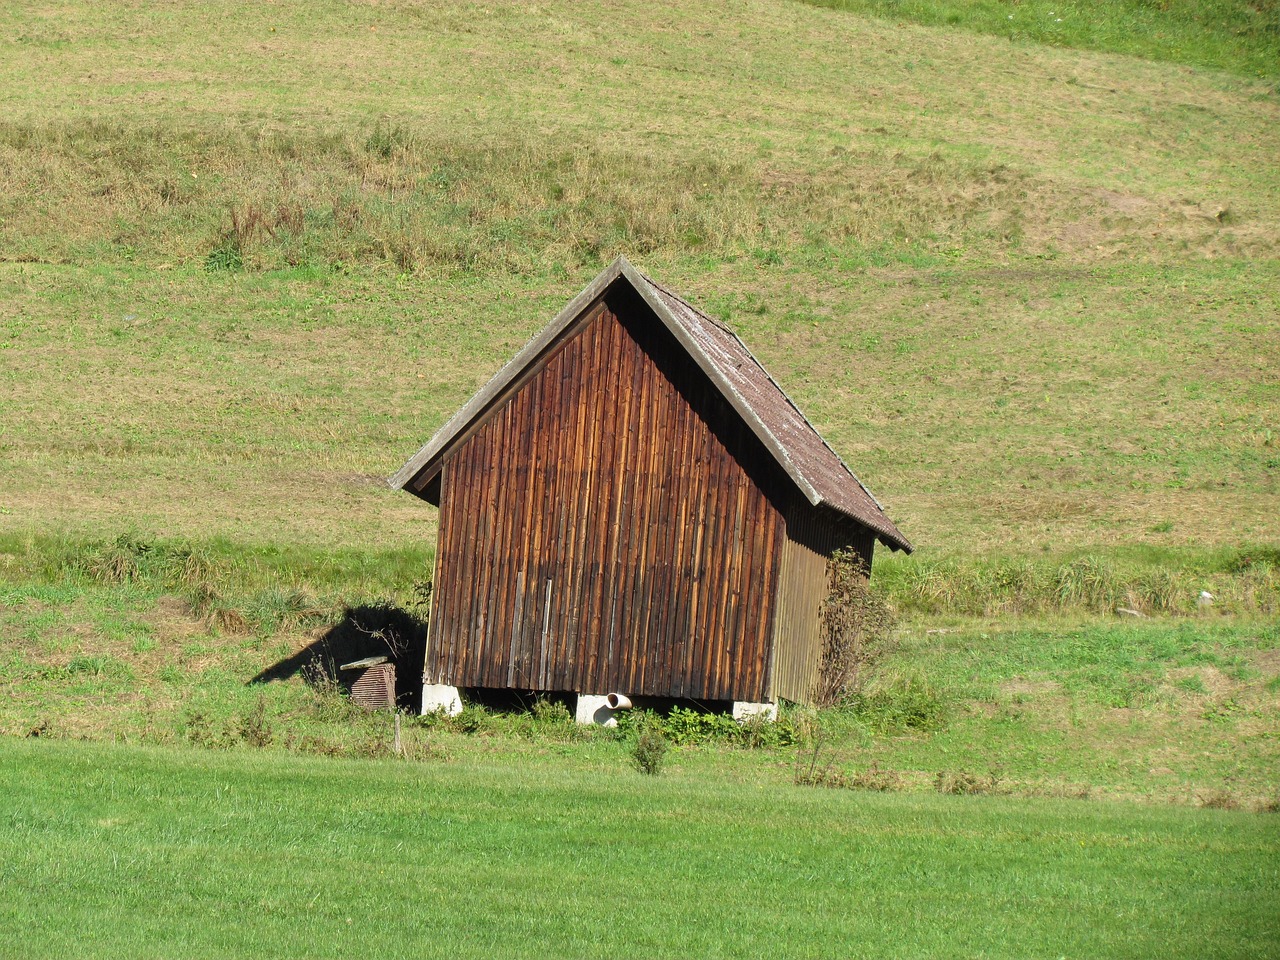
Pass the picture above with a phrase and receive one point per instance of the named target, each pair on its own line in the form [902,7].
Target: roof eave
[647,291]
[498,382]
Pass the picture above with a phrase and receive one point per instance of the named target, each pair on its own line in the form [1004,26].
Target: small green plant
[1192,684]
[383,142]
[1223,711]
[551,719]
[227,255]
[650,750]
[683,726]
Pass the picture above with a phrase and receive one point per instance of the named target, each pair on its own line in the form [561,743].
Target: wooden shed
[633,505]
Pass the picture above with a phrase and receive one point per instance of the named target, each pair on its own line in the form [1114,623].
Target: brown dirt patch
[1021,687]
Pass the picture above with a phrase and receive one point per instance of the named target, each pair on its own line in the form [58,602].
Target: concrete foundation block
[594,708]
[745,710]
[441,696]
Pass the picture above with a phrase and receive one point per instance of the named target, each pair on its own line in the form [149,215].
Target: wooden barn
[633,506]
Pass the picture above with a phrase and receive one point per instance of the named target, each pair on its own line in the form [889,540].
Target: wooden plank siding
[812,536]
[609,525]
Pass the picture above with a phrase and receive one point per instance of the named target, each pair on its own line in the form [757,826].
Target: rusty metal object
[371,682]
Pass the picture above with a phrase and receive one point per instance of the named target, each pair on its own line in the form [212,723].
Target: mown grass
[113,852]
[1241,36]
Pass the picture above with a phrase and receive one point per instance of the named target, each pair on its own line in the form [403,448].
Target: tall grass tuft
[423,198]
[1088,582]
[1242,581]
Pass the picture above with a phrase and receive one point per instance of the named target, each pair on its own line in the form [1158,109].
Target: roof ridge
[763,369]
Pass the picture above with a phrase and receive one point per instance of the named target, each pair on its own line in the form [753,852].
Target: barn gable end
[632,505]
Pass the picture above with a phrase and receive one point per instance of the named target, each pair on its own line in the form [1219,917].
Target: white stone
[745,710]
[441,696]
[594,708]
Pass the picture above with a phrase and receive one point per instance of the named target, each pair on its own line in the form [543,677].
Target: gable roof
[817,471]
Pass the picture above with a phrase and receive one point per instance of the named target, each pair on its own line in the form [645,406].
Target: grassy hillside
[1242,36]
[249,262]
[115,853]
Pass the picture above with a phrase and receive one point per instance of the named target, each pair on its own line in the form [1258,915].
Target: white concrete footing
[441,696]
[746,710]
[594,708]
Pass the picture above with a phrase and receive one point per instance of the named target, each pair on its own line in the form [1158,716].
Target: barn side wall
[811,537]
[613,526]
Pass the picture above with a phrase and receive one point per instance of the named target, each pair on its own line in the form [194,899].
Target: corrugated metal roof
[812,465]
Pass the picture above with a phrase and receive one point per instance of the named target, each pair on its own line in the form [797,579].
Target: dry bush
[1218,800]
[813,769]
[964,783]
[857,629]
[876,779]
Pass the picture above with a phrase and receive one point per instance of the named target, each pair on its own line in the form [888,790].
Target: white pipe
[618,701]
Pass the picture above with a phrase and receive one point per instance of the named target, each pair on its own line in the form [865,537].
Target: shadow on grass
[365,631]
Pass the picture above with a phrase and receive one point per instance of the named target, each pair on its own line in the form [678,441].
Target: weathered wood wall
[811,537]
[613,526]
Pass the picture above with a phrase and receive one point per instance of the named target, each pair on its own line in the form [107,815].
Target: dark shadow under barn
[366,631]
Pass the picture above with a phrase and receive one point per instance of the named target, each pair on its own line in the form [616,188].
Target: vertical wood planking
[597,532]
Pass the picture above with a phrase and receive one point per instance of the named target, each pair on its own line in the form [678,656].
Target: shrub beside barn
[632,505]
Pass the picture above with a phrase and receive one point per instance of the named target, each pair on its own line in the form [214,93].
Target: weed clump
[908,705]
[41,728]
[876,779]
[813,769]
[964,783]
[685,726]
[650,750]
[255,727]
[227,255]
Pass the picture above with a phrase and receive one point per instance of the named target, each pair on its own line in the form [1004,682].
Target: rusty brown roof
[817,471]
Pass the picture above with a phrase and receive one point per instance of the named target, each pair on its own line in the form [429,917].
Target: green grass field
[1018,262]
[113,852]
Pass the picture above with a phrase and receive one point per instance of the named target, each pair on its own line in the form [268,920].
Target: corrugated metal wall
[812,535]
[601,533]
